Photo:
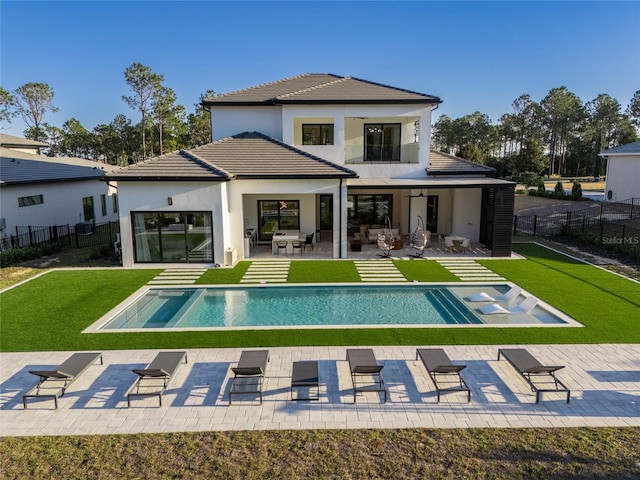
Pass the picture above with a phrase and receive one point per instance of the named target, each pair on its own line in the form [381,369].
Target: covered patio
[323,250]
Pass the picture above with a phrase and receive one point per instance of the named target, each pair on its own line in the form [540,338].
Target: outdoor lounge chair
[525,306]
[384,246]
[248,376]
[527,366]
[439,366]
[154,379]
[366,374]
[53,383]
[511,294]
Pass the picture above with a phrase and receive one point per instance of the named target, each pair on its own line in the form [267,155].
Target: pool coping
[98,325]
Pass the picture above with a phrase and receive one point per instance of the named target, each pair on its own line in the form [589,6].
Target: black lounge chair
[304,376]
[53,383]
[438,364]
[527,366]
[248,376]
[366,374]
[154,379]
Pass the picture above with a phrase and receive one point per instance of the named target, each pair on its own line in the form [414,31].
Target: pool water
[298,306]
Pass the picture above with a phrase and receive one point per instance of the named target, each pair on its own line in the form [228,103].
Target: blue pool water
[294,306]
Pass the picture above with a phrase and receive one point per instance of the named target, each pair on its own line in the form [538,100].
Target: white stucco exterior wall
[228,121]
[623,177]
[62,204]
[466,209]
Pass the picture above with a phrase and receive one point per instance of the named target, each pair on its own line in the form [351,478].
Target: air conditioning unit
[230,256]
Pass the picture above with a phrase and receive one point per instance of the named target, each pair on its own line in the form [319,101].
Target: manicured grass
[530,453]
[48,313]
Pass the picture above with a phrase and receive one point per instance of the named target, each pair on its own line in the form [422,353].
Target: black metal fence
[80,235]
[612,225]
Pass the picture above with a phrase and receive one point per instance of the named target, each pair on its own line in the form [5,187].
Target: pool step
[178,276]
[450,308]
[470,271]
[378,271]
[267,272]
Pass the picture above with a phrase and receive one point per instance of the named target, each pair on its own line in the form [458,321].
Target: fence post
[535,225]
[515,225]
[568,219]
[30,235]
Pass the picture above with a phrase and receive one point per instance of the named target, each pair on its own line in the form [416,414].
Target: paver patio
[604,382]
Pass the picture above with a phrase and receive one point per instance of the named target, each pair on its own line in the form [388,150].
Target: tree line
[164,125]
[560,135]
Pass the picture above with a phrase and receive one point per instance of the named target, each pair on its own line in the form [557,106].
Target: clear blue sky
[476,56]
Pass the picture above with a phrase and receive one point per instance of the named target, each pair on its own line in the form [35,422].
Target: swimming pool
[270,306]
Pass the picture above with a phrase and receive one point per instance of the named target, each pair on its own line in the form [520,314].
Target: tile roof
[80,162]
[628,149]
[246,155]
[444,164]
[7,140]
[178,165]
[314,88]
[14,171]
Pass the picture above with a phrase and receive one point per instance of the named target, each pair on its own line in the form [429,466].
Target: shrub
[576,190]
[22,254]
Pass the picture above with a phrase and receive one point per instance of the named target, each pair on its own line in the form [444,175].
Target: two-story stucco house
[316,153]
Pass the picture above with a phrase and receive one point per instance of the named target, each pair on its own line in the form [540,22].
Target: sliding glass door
[172,237]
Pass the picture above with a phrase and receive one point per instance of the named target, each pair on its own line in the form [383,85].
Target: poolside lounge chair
[53,383]
[527,366]
[154,379]
[366,374]
[248,376]
[439,366]
[525,306]
[384,246]
[511,294]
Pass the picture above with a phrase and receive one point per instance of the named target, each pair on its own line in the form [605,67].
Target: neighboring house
[623,172]
[20,144]
[318,153]
[41,191]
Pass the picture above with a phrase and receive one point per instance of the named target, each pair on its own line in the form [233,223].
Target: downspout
[340,219]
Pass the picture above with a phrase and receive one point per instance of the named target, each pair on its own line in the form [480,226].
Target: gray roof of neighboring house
[628,149]
[9,141]
[321,88]
[80,162]
[246,155]
[444,164]
[16,171]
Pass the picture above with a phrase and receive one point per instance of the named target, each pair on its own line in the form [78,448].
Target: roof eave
[155,178]
[292,177]
[276,102]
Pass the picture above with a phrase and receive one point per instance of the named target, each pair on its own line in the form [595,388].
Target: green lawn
[49,313]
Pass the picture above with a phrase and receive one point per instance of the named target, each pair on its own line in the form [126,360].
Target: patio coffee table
[305,375]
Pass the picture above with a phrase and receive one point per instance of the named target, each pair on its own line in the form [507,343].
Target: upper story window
[31,200]
[317,134]
[382,142]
